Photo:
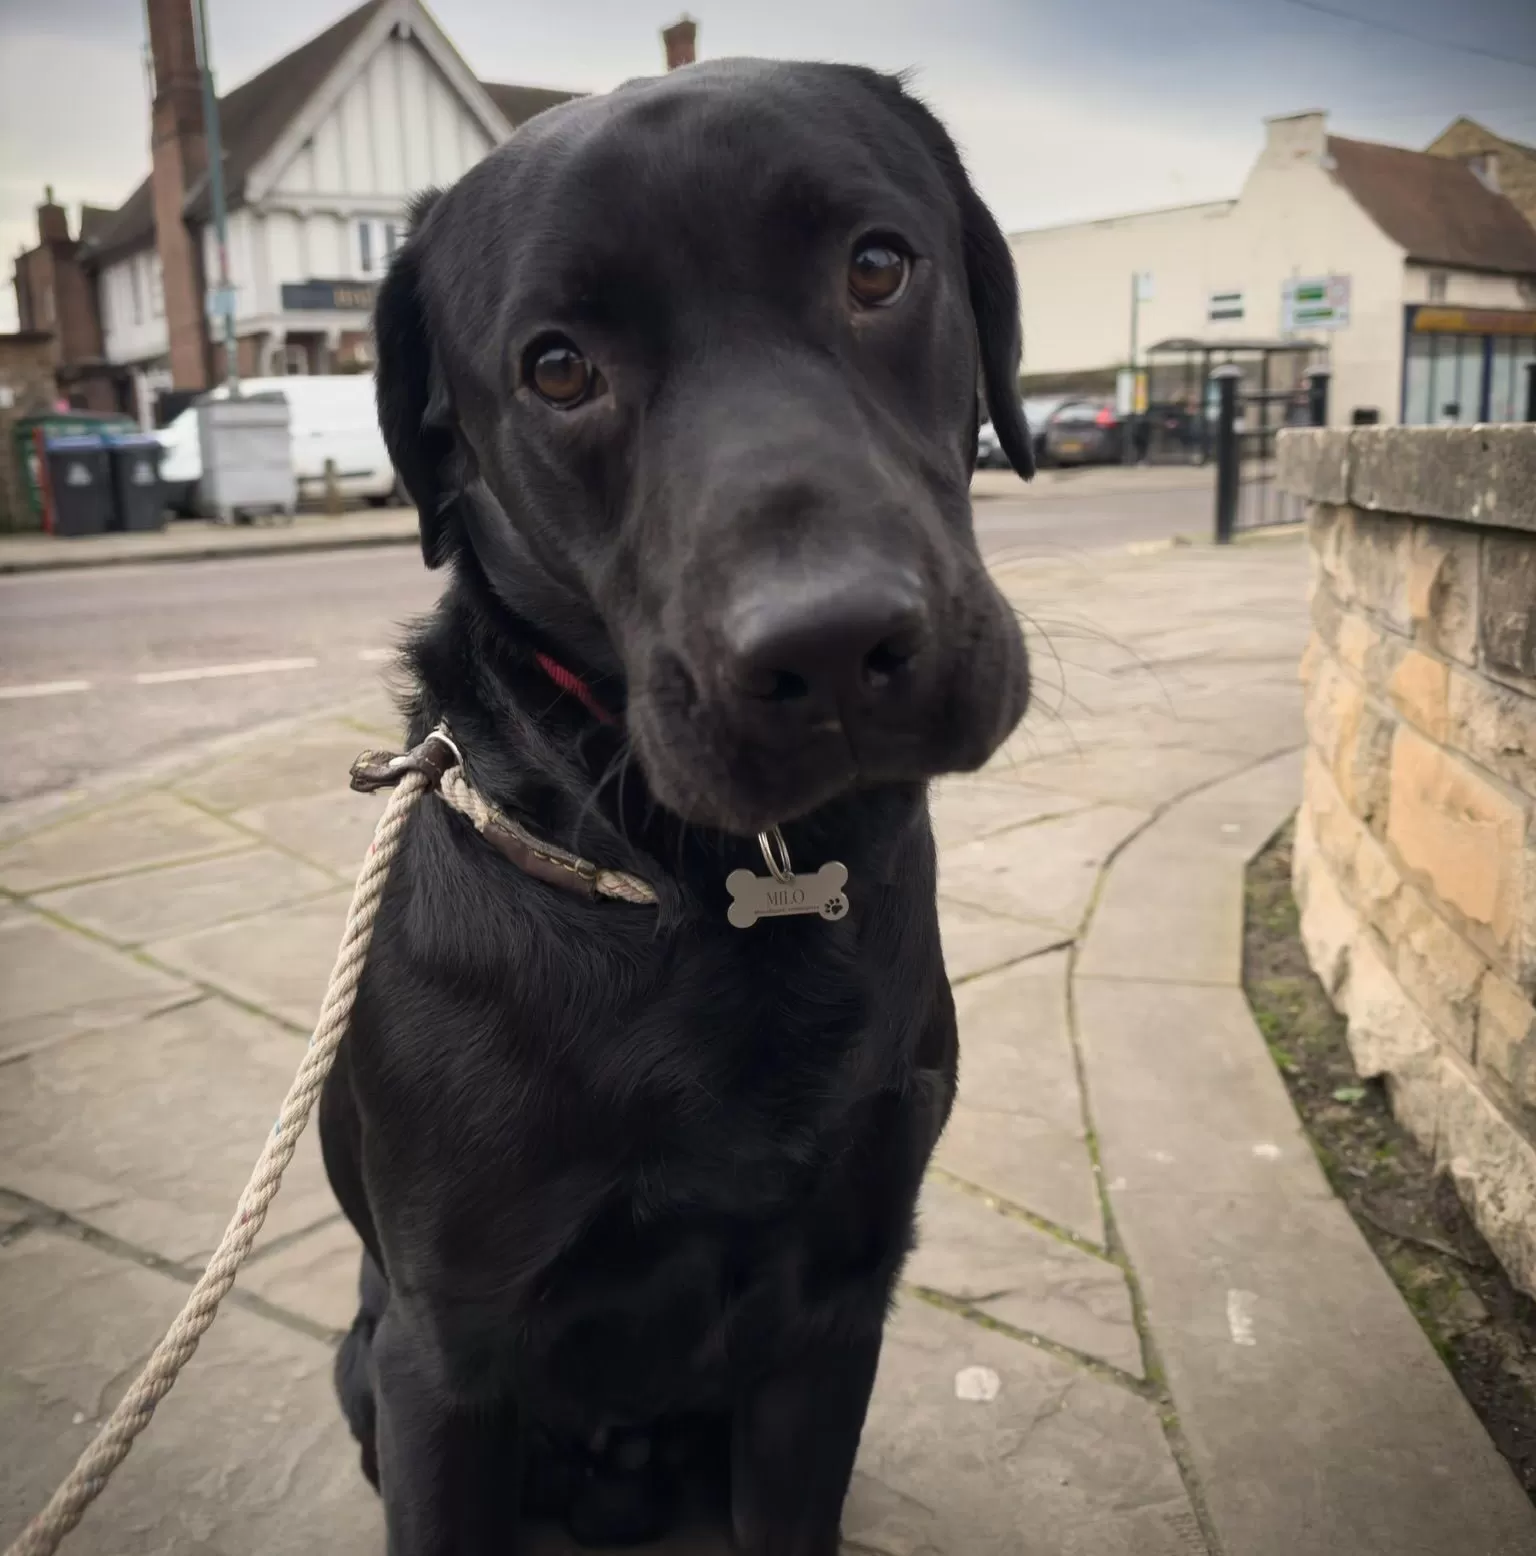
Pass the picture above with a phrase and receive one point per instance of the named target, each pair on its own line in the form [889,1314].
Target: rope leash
[110,1446]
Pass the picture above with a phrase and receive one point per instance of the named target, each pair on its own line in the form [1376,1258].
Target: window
[135,291]
[47,303]
[1513,357]
[156,289]
[1224,307]
[1438,281]
[377,240]
[1443,380]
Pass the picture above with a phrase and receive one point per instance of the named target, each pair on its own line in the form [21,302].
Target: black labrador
[683,381]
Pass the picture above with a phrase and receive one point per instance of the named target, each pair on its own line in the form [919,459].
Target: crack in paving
[1016,1212]
[41,1217]
[1028,956]
[1105,1371]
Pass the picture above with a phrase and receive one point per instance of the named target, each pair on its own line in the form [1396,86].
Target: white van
[333,417]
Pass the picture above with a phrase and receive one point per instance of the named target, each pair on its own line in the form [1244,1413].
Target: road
[106,669]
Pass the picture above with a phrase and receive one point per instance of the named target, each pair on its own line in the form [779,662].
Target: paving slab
[970,1249]
[313,1275]
[278,961]
[1184,1096]
[977,942]
[332,829]
[964,809]
[1137,774]
[1274,783]
[56,983]
[1044,872]
[1172,906]
[376,714]
[149,829]
[301,762]
[1319,1419]
[148,1131]
[156,904]
[1059,1463]
[247,1456]
[1017,1128]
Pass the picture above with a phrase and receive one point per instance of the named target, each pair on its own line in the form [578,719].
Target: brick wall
[26,387]
[1416,839]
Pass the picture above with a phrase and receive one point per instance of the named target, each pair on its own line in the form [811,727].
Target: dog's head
[689,373]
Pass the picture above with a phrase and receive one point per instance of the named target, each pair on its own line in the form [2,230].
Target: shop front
[1464,365]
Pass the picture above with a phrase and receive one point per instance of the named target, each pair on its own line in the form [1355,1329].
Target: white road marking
[1240,1317]
[43,689]
[375,656]
[219,672]
[1267,1152]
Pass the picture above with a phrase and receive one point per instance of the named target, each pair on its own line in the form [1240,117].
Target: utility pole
[1141,291]
[224,293]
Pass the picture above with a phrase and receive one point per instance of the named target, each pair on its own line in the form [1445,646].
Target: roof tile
[1435,207]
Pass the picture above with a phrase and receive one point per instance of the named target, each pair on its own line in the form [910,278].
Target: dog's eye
[877,273]
[560,374]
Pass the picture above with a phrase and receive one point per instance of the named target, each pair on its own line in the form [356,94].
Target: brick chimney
[680,39]
[52,219]
[179,158]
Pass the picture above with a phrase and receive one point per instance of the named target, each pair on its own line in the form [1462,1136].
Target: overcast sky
[1063,110]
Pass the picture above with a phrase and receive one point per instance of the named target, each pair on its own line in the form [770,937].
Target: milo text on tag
[759,896]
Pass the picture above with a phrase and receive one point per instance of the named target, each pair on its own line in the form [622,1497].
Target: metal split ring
[776,854]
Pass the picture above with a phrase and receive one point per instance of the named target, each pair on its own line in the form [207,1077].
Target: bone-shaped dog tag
[756,896]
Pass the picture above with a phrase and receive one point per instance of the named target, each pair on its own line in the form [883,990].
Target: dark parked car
[1085,432]
[1038,410]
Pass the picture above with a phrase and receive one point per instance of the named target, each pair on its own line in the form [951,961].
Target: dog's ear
[990,277]
[414,415]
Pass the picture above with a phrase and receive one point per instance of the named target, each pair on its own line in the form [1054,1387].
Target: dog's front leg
[793,1443]
[449,1470]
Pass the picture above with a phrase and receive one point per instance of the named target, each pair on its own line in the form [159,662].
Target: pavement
[185,540]
[1138,1323]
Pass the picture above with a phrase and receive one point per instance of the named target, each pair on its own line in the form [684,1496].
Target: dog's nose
[825,643]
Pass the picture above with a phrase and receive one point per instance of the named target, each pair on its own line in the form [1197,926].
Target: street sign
[1125,391]
[1317,303]
[1130,392]
[1144,286]
[221,302]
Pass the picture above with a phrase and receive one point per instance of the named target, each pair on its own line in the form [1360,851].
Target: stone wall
[1416,839]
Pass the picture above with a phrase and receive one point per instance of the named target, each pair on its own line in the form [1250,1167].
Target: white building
[1418,278]
[322,152]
